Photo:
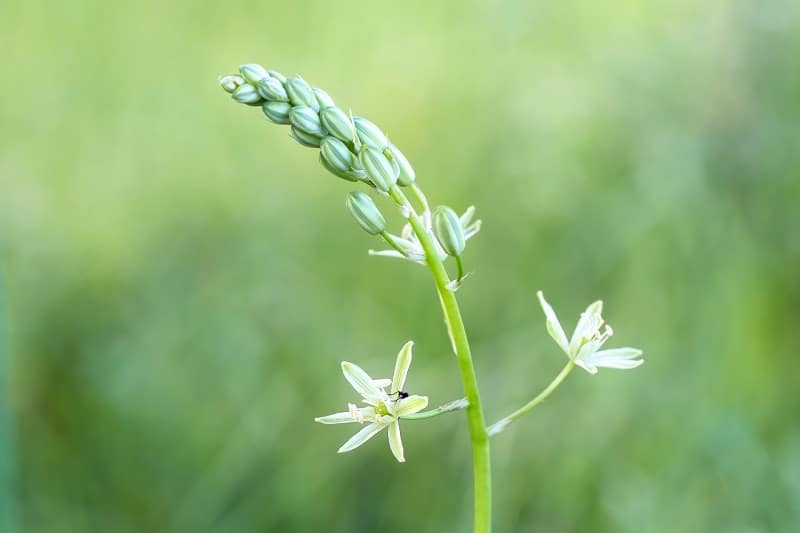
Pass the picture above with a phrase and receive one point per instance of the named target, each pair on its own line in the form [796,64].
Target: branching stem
[482,478]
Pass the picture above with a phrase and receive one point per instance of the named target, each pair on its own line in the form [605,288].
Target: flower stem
[482,477]
[501,425]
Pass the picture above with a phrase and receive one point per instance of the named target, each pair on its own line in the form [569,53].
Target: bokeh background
[180,279]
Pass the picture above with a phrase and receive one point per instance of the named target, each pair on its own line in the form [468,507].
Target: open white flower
[584,346]
[383,410]
[412,249]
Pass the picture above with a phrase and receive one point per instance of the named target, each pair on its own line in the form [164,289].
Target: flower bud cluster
[352,148]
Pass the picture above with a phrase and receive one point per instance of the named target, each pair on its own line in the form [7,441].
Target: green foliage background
[181,279]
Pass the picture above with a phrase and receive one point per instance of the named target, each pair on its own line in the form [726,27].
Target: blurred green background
[180,279]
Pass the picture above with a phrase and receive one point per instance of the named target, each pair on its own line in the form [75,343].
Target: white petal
[361,381]
[470,231]
[553,325]
[410,405]
[401,366]
[622,358]
[361,437]
[587,327]
[382,383]
[395,443]
[466,218]
[336,418]
[589,367]
[387,253]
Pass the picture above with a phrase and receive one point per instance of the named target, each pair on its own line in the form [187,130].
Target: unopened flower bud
[230,83]
[338,123]
[407,174]
[277,112]
[370,134]
[277,75]
[272,89]
[300,93]
[306,139]
[337,158]
[253,73]
[448,230]
[246,94]
[379,169]
[365,212]
[323,98]
[306,119]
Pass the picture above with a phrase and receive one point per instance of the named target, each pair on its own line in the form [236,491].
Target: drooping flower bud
[338,159]
[448,230]
[338,123]
[230,83]
[300,93]
[366,213]
[246,94]
[272,89]
[379,169]
[370,134]
[306,139]
[323,98]
[306,119]
[253,72]
[407,174]
[277,112]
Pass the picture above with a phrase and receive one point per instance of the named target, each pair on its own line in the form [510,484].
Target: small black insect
[400,395]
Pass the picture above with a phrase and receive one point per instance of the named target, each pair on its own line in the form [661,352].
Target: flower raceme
[583,348]
[382,410]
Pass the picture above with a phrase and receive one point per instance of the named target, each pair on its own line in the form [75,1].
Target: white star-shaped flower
[584,346]
[383,410]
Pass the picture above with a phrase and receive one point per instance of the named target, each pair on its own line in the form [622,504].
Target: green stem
[501,425]
[460,265]
[455,405]
[482,477]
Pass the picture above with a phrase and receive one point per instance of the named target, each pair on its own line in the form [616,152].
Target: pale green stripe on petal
[553,325]
[336,418]
[361,437]
[360,380]
[401,366]
[395,442]
[410,405]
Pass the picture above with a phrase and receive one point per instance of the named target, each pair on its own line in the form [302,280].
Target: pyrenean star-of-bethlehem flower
[382,411]
[583,348]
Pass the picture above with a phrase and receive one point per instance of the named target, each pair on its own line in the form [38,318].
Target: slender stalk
[482,477]
[449,407]
[501,425]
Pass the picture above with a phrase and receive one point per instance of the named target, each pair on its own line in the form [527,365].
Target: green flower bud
[277,112]
[272,89]
[306,119]
[230,83]
[253,73]
[338,123]
[448,230]
[338,159]
[379,169]
[370,134]
[365,212]
[300,93]
[323,98]
[246,94]
[407,174]
[277,75]
[306,139]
